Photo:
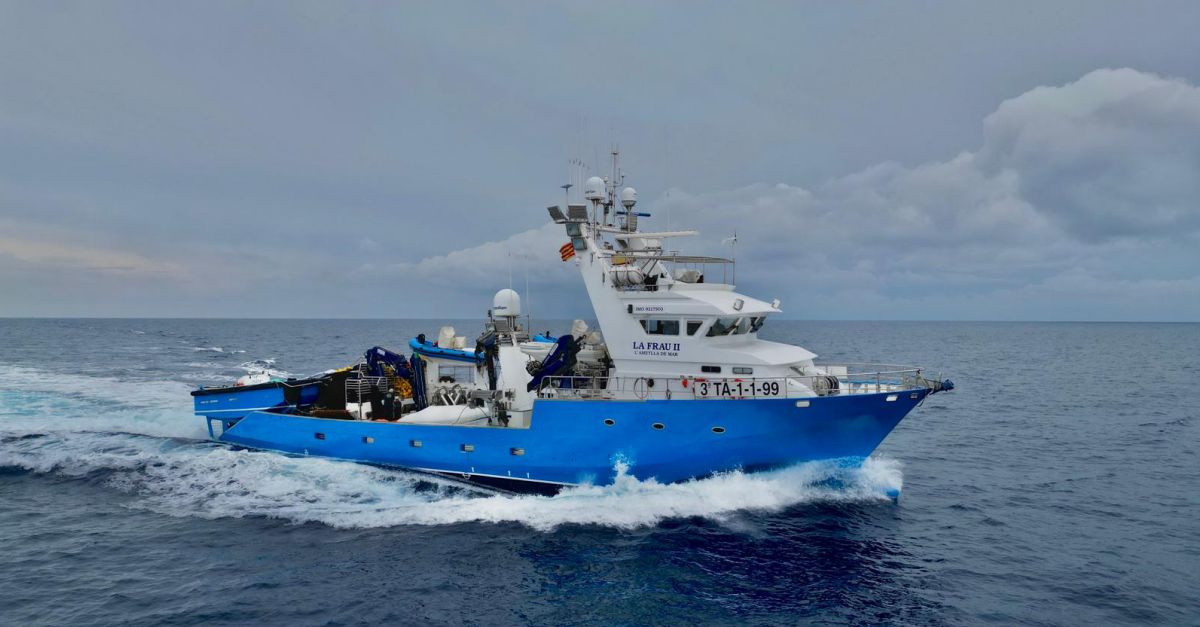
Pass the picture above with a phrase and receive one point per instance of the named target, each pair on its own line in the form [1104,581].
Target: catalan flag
[567,251]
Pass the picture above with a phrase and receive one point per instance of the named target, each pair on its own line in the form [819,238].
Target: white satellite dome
[593,189]
[506,303]
[628,197]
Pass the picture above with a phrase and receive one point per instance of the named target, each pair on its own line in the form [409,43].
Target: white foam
[38,401]
[263,365]
[211,481]
[631,503]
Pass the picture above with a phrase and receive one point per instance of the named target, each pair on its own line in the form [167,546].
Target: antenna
[667,200]
[613,182]
[528,302]
[575,176]
[732,241]
[669,173]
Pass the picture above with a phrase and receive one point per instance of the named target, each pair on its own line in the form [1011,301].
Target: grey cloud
[1113,154]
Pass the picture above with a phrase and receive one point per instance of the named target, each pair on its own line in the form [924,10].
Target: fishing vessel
[675,383]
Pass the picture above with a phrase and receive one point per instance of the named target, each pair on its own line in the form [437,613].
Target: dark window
[731,326]
[693,326]
[319,436]
[723,326]
[456,374]
[712,369]
[660,327]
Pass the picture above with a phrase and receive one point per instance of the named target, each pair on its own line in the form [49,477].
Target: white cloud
[534,251]
[1114,154]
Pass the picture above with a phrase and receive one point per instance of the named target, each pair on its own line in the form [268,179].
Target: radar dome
[506,303]
[593,189]
[628,197]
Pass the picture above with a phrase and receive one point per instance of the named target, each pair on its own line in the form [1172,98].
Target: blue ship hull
[571,442]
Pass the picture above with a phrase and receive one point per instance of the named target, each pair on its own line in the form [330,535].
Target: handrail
[839,381]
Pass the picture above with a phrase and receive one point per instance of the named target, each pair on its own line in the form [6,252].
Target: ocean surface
[1058,485]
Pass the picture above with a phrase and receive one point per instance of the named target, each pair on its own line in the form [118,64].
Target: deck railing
[715,270]
[841,380]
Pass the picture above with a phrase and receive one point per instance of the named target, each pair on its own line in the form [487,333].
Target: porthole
[368,439]
[658,426]
[468,448]
[914,395]
[608,422]
[718,429]
[802,403]
[319,436]
[517,451]
[891,397]
[414,443]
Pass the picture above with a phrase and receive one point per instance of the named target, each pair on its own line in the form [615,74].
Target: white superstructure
[672,327]
[665,315]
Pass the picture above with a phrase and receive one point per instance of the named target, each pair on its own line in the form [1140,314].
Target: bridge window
[456,374]
[655,326]
[710,369]
[735,326]
[693,326]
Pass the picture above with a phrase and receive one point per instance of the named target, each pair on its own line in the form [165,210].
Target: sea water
[1059,484]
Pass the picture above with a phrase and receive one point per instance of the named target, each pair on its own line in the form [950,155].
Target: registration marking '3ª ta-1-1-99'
[737,388]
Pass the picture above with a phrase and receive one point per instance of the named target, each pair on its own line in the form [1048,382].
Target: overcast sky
[910,160]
